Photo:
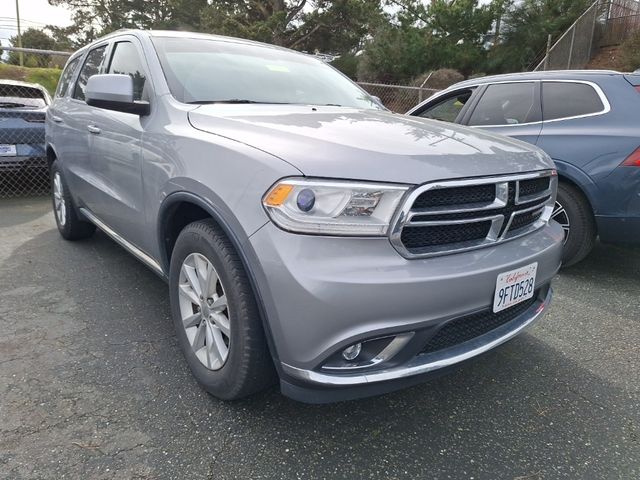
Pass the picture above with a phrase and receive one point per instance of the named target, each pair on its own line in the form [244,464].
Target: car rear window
[567,99]
[21,96]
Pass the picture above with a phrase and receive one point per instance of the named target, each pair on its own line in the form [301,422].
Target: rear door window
[91,67]
[568,99]
[507,104]
[447,109]
[65,78]
[126,60]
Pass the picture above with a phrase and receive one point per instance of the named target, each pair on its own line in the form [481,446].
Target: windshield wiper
[12,105]
[233,100]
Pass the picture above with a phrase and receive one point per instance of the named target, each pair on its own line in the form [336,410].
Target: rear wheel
[215,314]
[573,212]
[69,224]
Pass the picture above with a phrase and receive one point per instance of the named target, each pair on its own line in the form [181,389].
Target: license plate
[7,150]
[514,286]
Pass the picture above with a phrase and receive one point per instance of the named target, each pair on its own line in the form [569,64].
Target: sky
[33,13]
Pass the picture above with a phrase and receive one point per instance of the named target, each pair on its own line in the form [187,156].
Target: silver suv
[306,233]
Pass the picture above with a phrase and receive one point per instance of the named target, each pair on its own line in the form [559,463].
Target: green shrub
[47,77]
[630,53]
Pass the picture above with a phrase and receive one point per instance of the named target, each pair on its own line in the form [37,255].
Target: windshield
[21,96]
[211,70]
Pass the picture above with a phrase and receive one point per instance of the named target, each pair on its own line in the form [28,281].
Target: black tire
[582,225]
[248,367]
[72,228]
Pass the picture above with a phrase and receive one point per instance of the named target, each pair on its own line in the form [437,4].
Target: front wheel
[215,314]
[573,213]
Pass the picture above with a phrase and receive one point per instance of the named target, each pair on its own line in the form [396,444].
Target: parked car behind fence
[23,162]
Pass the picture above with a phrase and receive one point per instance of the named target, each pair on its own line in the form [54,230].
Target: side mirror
[114,92]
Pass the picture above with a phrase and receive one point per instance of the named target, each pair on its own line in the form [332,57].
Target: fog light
[352,352]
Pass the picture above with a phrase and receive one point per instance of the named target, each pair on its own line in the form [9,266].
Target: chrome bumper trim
[429,362]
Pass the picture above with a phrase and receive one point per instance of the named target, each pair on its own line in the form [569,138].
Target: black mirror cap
[137,107]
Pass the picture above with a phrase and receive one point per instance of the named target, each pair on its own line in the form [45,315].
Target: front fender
[223,216]
[581,180]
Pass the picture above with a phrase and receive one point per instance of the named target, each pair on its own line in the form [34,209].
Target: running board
[130,247]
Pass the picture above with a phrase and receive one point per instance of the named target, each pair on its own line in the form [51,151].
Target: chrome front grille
[452,216]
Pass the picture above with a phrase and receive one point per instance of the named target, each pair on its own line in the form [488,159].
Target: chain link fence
[604,23]
[574,48]
[23,160]
[398,98]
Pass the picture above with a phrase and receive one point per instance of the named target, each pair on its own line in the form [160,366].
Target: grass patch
[47,77]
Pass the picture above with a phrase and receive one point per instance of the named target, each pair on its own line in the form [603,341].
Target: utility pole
[19,35]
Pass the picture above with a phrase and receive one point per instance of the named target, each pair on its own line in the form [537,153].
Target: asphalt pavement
[93,385]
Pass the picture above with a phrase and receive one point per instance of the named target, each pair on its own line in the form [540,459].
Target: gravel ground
[93,385]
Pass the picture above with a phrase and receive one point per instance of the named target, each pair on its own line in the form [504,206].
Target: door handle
[93,129]
[56,118]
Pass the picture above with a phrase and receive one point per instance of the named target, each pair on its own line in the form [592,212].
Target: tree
[327,25]
[443,34]
[321,25]
[32,38]
[93,18]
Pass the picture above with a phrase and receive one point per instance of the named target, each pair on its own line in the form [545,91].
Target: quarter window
[126,60]
[507,104]
[91,67]
[449,108]
[65,78]
[565,99]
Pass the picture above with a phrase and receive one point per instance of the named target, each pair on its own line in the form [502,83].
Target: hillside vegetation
[47,77]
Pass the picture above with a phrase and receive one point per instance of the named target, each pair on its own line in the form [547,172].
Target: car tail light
[637,88]
[633,160]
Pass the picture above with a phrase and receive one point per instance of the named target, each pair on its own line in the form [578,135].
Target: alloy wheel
[560,215]
[58,200]
[204,311]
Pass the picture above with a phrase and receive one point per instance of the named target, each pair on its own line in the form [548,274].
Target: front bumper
[320,387]
[322,294]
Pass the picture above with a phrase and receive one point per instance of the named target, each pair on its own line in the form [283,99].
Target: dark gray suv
[306,233]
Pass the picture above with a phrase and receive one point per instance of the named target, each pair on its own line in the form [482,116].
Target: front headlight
[334,207]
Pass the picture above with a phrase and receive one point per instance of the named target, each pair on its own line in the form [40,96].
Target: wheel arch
[579,180]
[51,156]
[199,208]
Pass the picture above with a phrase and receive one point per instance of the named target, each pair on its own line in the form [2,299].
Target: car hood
[373,145]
